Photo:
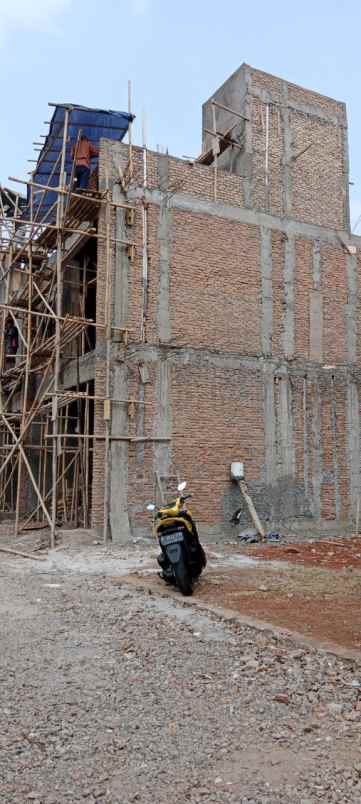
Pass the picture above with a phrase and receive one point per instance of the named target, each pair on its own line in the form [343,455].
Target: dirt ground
[311,588]
[113,695]
[115,689]
[335,554]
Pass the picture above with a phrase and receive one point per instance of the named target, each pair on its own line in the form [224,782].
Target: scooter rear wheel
[183,578]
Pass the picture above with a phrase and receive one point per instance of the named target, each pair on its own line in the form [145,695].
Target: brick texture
[283,412]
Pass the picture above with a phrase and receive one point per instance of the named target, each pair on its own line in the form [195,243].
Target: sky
[176,53]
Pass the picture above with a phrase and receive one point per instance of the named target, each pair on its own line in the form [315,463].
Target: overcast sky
[176,52]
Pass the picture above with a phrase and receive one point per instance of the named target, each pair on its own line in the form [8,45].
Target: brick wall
[295,147]
[251,334]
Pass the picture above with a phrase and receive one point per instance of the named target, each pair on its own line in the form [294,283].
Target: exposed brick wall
[335,295]
[283,412]
[303,290]
[296,144]
[219,419]
[316,176]
[215,284]
[296,94]
[267,197]
[318,173]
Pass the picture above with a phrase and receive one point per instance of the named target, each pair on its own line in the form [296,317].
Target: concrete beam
[189,203]
[303,108]
[79,371]
[183,355]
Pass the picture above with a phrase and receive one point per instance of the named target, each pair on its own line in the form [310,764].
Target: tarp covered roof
[94,123]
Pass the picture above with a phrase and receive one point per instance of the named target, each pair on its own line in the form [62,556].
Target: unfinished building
[184,314]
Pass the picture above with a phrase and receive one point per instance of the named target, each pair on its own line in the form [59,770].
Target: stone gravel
[110,694]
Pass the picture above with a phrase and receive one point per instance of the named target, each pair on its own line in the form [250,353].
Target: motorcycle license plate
[172,538]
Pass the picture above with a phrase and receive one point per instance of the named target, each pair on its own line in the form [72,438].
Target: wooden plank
[228,109]
[23,555]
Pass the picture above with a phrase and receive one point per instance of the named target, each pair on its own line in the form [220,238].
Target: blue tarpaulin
[94,123]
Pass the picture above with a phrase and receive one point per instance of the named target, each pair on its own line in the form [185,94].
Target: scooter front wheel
[183,578]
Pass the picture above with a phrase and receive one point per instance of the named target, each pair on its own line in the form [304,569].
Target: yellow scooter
[182,558]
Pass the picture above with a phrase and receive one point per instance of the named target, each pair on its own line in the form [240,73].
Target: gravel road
[110,694]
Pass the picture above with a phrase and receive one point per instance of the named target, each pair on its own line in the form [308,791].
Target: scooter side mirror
[181,486]
[151,507]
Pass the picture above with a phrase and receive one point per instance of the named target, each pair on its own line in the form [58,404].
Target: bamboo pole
[23,555]
[228,109]
[64,191]
[68,318]
[42,457]
[40,225]
[64,425]
[130,130]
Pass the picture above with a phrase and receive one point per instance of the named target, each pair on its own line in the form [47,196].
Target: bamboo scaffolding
[26,382]
[63,191]
[72,230]
[69,318]
[37,252]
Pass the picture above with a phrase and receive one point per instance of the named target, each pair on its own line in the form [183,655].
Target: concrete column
[289,312]
[316,311]
[267,293]
[285,423]
[317,455]
[353,442]
[305,439]
[119,519]
[287,154]
[352,308]
[270,426]
[165,246]
[121,275]
[139,424]
[162,426]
